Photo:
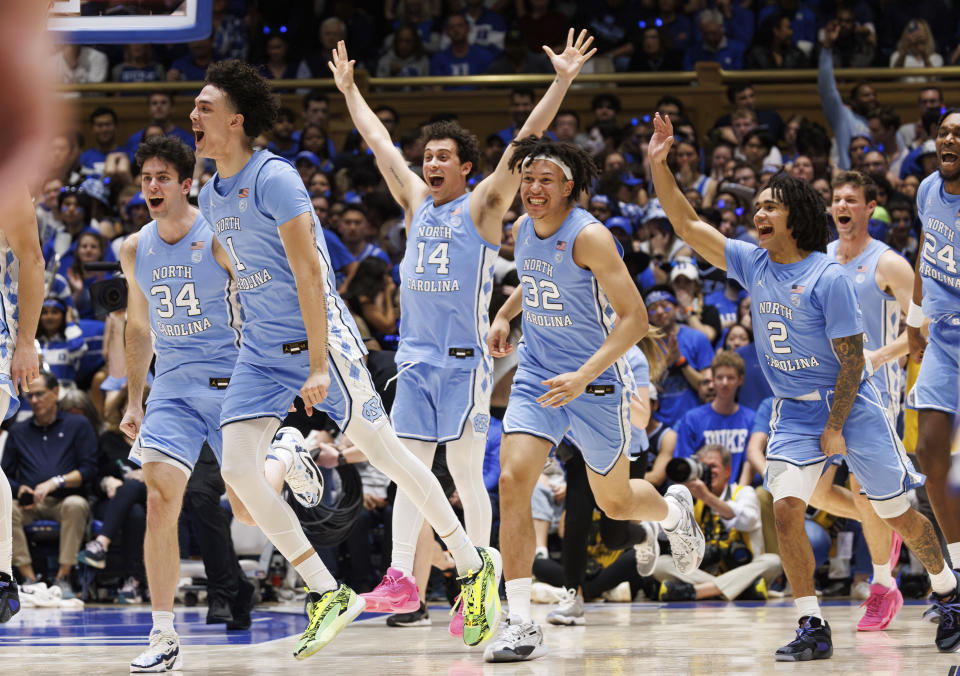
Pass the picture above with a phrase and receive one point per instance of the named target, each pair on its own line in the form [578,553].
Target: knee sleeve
[465,462]
[385,451]
[892,508]
[245,445]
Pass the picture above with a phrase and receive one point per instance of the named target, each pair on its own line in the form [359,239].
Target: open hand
[564,388]
[497,338]
[342,68]
[662,138]
[569,62]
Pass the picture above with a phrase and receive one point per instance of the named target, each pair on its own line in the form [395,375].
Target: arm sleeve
[746,511]
[840,307]
[281,194]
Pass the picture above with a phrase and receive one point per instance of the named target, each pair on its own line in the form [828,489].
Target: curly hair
[248,92]
[171,150]
[581,165]
[468,148]
[806,213]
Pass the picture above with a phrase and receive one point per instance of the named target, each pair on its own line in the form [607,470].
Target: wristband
[681,362]
[914,315]
[341,459]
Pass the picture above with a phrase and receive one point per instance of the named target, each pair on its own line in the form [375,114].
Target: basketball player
[182,305]
[810,333]
[883,281]
[26,123]
[445,376]
[21,268]
[574,285]
[937,290]
[298,336]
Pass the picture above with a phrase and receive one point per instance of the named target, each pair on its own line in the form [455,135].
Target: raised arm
[705,239]
[915,337]
[496,192]
[407,188]
[137,343]
[20,228]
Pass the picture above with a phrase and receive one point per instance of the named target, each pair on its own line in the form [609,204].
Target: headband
[550,158]
[657,296]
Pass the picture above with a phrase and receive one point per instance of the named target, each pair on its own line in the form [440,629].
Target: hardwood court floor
[619,640]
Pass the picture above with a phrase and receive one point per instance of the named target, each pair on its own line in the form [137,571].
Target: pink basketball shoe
[396,593]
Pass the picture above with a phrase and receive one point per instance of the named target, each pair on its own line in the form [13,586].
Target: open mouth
[155,202]
[844,219]
[536,201]
[764,229]
[198,135]
[436,180]
[948,157]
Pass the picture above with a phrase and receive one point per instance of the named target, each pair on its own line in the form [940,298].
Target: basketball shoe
[813,642]
[9,597]
[882,606]
[329,613]
[686,540]
[948,631]
[517,641]
[570,611]
[456,619]
[303,476]
[396,593]
[480,598]
[647,551]
[94,555]
[163,654]
[418,618]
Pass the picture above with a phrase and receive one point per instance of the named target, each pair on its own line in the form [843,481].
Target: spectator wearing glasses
[47,460]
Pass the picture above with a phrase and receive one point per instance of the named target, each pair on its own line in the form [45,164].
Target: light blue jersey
[940,216]
[246,211]
[194,312]
[447,272]
[881,316]
[797,310]
[641,376]
[566,315]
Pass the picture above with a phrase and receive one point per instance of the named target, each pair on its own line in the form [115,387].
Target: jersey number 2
[779,337]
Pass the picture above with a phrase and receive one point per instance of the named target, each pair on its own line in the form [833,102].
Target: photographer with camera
[735,564]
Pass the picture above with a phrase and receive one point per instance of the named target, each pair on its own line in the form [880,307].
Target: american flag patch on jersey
[196,245]
[797,288]
[561,245]
[244,192]
[861,268]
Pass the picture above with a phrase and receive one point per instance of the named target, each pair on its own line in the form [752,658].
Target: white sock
[402,557]
[463,552]
[881,575]
[953,549]
[518,599]
[808,605]
[542,553]
[674,514]
[162,620]
[316,575]
[284,455]
[943,582]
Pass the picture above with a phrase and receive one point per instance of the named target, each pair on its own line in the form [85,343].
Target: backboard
[130,21]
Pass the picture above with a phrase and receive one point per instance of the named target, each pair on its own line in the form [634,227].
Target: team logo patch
[481,423]
[242,206]
[558,257]
[795,294]
[373,409]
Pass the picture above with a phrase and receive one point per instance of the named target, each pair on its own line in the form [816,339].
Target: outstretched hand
[661,140]
[342,67]
[569,62]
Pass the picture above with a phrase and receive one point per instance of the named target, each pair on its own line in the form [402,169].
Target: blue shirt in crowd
[35,453]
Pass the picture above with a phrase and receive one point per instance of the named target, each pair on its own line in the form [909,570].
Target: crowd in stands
[706,396]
